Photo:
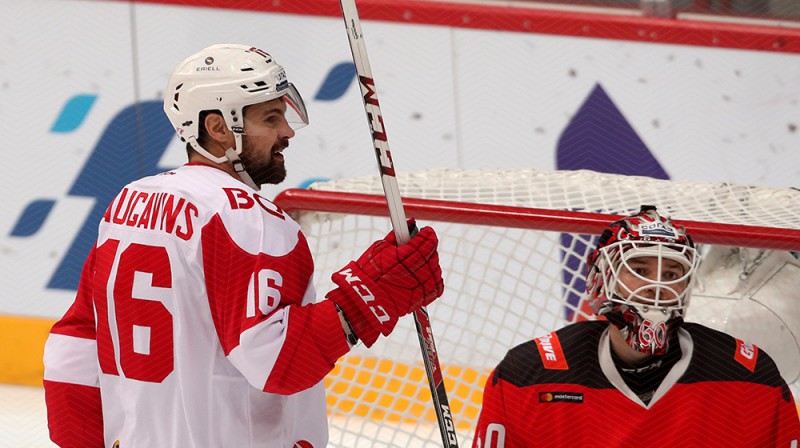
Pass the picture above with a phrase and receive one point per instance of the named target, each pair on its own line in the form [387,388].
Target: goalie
[638,376]
[196,322]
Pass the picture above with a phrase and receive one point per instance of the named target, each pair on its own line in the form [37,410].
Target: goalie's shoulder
[568,355]
[718,356]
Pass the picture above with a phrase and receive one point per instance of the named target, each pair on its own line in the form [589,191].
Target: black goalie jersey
[564,390]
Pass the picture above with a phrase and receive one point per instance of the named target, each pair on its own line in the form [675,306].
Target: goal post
[512,249]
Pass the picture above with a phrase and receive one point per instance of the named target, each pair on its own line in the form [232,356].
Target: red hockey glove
[388,282]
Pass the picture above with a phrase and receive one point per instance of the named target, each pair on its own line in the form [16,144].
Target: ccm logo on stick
[449,426]
[376,124]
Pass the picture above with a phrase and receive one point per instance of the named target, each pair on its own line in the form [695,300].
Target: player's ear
[217,129]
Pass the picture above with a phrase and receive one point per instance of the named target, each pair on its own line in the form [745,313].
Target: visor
[296,114]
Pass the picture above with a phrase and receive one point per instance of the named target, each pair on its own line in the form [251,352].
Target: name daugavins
[153,211]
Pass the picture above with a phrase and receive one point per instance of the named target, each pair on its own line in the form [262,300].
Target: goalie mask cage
[512,249]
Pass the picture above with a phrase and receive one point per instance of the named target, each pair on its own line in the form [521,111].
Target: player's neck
[196,157]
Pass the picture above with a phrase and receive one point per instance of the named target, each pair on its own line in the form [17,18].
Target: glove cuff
[352,339]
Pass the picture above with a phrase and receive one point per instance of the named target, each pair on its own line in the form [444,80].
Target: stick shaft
[375,119]
[397,214]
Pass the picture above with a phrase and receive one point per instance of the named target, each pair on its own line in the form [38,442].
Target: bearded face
[267,134]
[264,167]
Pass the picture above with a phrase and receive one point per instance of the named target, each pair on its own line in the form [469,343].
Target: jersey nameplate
[162,212]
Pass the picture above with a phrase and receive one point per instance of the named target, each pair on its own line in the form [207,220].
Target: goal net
[512,249]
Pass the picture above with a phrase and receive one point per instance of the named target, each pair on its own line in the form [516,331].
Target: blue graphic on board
[33,217]
[598,138]
[129,148]
[71,117]
[307,183]
[73,114]
[336,82]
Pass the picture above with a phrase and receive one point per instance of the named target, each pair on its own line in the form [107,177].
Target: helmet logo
[657,229]
[208,61]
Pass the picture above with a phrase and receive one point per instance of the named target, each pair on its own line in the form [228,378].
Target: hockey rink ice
[23,417]
[23,422]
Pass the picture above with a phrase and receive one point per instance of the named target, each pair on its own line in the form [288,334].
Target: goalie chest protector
[552,391]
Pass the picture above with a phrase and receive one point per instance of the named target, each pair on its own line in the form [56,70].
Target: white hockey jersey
[195,324]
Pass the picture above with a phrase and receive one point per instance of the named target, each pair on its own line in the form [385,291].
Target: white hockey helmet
[645,314]
[227,78]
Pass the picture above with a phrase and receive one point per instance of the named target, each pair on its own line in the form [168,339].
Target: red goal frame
[295,199]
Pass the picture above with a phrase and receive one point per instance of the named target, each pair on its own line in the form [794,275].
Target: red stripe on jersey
[730,414]
[245,289]
[550,350]
[314,342]
[74,414]
[78,321]
[746,355]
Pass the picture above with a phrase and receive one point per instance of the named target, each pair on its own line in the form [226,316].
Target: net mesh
[504,286]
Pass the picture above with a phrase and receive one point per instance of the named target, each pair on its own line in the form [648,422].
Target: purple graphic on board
[598,138]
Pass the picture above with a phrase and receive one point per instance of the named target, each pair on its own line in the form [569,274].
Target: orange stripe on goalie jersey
[746,354]
[550,350]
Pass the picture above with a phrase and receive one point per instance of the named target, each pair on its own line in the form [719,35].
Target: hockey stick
[397,214]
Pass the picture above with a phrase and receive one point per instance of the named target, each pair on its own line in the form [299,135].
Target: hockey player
[196,323]
[639,376]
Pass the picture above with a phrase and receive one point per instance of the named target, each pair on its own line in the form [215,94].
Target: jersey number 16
[142,325]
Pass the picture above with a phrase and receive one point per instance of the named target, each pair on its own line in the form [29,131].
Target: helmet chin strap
[238,166]
[202,151]
[232,156]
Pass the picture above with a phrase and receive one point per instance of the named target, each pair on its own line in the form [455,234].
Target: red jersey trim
[550,350]
[746,354]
